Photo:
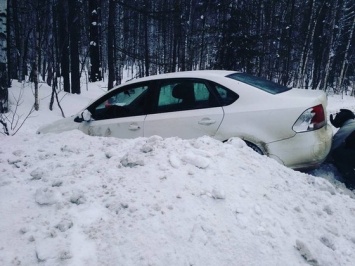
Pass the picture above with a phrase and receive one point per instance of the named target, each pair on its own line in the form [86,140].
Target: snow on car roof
[186,74]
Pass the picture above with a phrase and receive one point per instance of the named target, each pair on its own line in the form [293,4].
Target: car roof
[207,74]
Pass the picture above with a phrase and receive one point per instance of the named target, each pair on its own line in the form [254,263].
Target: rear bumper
[304,150]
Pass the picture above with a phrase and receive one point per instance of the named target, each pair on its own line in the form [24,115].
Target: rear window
[260,83]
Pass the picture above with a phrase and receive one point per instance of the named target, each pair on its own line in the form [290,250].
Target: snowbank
[72,199]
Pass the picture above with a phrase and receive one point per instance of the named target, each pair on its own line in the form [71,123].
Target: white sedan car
[289,125]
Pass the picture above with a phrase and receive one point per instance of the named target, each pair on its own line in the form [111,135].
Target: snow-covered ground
[72,199]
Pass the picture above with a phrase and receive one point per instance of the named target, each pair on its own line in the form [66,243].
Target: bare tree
[13,121]
[302,43]
[95,42]
[111,44]
[74,32]
[345,61]
[62,17]
[4,79]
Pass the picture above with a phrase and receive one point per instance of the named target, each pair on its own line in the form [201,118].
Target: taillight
[311,119]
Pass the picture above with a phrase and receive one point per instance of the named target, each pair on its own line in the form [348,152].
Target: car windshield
[260,83]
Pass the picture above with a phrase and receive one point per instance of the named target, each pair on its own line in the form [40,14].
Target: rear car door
[120,113]
[186,108]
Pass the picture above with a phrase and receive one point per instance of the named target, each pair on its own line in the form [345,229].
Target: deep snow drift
[73,199]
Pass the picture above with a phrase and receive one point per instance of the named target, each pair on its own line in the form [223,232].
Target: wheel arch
[257,145]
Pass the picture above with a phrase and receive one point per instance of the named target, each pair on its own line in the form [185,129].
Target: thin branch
[23,121]
[4,124]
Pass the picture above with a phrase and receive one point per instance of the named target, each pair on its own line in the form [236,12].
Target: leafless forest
[303,43]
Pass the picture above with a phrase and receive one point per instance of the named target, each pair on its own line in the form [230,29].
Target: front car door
[120,113]
[186,108]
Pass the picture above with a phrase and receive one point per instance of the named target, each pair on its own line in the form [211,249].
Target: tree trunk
[35,70]
[95,69]
[62,15]
[319,45]
[4,80]
[146,39]
[332,48]
[306,47]
[8,43]
[289,51]
[345,61]
[110,44]
[74,46]
[18,43]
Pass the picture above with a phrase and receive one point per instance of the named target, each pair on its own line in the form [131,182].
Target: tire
[254,147]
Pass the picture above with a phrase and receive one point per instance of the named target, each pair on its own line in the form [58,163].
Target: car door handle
[134,127]
[206,121]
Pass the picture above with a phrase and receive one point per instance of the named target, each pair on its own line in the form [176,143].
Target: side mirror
[84,116]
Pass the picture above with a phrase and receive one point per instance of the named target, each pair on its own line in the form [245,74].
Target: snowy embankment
[72,199]
[337,102]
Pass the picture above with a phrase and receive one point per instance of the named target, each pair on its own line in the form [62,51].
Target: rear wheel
[254,147]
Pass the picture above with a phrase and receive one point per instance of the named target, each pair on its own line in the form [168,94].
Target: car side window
[122,103]
[180,95]
[227,96]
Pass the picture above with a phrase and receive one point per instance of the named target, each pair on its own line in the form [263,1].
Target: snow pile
[72,199]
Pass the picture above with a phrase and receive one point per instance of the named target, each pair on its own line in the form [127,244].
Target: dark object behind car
[343,152]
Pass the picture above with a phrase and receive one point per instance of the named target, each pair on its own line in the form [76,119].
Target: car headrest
[183,91]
